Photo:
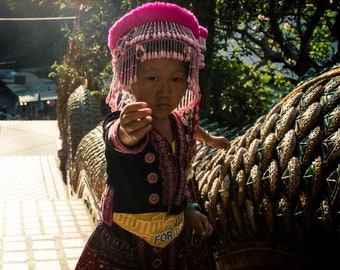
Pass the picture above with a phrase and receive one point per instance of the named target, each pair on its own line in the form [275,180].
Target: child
[148,209]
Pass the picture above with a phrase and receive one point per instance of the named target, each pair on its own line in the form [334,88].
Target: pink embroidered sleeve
[119,146]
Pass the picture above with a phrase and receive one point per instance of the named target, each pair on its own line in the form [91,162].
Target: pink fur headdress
[154,31]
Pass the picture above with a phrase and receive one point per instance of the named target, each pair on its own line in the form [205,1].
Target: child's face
[161,83]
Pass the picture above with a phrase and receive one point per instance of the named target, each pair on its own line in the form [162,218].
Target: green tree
[239,94]
[266,42]
[86,60]
[289,37]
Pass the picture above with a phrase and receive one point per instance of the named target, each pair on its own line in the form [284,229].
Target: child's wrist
[125,139]
[206,138]
[192,206]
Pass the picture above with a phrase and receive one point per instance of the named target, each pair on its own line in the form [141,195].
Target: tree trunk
[205,12]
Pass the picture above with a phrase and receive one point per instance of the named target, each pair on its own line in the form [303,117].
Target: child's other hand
[218,142]
[135,122]
[199,222]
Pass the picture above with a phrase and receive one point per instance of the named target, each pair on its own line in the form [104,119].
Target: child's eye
[177,79]
[152,78]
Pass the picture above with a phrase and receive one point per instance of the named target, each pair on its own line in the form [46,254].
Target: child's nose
[165,89]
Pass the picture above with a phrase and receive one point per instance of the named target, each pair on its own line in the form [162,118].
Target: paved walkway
[41,226]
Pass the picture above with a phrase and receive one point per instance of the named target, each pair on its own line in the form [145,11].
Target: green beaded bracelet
[192,207]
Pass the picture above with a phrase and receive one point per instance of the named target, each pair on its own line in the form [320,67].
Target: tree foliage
[239,94]
[267,42]
[86,57]
[287,36]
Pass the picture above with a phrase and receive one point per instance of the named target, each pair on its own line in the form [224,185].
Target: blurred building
[26,95]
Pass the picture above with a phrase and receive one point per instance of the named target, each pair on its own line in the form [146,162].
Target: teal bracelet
[192,207]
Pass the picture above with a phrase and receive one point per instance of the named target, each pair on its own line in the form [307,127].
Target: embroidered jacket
[148,177]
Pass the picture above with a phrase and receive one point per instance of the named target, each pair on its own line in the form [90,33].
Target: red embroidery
[106,205]
[172,167]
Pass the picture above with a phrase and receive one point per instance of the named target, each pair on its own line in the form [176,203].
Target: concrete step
[42,227]
[43,234]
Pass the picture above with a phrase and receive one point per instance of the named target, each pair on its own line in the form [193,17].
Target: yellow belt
[158,229]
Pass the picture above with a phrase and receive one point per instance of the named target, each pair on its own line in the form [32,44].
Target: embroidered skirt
[116,248]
